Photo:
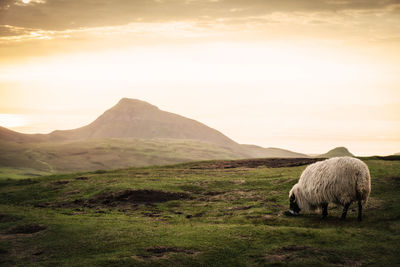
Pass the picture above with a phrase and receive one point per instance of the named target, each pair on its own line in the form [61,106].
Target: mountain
[131,133]
[336,152]
[132,118]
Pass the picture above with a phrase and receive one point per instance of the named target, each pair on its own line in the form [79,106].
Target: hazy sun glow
[12,120]
[213,63]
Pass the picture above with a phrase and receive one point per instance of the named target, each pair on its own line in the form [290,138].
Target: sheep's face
[294,208]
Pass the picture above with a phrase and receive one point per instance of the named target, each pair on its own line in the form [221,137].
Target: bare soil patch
[125,199]
[82,178]
[254,163]
[162,250]
[136,197]
[8,218]
[60,182]
[393,157]
[26,229]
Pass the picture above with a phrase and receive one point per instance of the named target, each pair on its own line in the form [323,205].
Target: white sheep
[339,180]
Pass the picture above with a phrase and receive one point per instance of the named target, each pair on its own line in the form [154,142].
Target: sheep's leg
[344,213]
[324,210]
[359,211]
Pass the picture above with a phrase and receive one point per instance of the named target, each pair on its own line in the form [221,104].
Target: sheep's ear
[292,197]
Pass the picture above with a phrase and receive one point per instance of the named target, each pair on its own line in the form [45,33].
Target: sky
[304,75]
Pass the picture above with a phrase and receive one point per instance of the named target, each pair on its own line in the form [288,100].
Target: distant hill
[12,136]
[336,152]
[397,154]
[260,152]
[132,133]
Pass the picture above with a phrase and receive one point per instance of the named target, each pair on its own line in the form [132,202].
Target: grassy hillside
[196,214]
[92,155]
[29,159]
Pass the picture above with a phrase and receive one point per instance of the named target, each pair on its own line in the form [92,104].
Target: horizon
[306,76]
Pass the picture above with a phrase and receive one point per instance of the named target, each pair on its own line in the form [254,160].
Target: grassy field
[193,214]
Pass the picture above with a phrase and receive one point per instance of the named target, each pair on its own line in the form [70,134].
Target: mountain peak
[133,103]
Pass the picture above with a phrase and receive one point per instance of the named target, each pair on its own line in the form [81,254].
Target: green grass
[234,217]
[20,173]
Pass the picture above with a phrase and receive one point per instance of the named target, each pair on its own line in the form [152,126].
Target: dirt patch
[26,229]
[299,248]
[213,193]
[60,182]
[197,215]
[136,197]
[37,252]
[254,163]
[151,214]
[391,158]
[4,218]
[82,178]
[161,250]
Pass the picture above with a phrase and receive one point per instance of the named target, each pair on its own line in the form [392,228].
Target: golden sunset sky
[305,75]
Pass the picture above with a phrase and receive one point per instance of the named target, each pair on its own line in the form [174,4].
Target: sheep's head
[294,207]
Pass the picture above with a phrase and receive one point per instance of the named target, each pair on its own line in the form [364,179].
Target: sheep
[339,180]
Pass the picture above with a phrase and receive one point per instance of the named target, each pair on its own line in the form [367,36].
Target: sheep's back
[339,180]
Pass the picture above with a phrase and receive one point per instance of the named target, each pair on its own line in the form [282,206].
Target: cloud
[72,14]
[43,27]
[10,31]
